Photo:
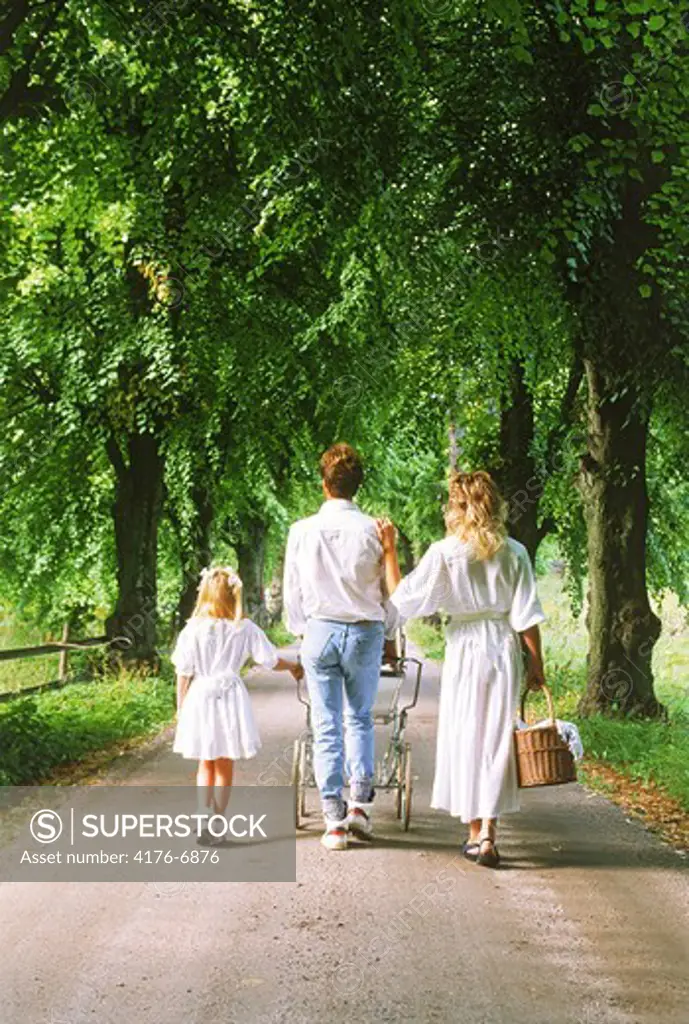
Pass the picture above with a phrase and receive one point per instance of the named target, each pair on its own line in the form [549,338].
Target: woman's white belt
[460,620]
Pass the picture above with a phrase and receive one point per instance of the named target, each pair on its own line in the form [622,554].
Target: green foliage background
[249,229]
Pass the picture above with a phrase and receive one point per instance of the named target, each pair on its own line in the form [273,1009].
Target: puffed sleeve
[260,648]
[426,588]
[526,608]
[184,655]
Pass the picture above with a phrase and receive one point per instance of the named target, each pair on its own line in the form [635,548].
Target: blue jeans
[342,663]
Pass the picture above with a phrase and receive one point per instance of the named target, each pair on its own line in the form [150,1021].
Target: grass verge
[41,733]
[280,636]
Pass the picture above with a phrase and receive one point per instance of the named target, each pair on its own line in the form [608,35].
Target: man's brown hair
[342,471]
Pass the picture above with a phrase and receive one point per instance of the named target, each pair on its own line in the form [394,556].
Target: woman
[485,582]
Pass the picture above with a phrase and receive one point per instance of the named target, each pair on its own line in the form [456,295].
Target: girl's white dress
[489,603]
[216,718]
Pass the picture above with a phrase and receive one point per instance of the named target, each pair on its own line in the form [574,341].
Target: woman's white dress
[216,718]
[490,602]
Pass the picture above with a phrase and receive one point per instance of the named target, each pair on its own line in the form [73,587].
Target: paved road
[586,922]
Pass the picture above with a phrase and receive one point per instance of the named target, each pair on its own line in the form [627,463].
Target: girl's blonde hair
[220,594]
[476,513]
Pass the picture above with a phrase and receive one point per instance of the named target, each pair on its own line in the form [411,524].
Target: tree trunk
[196,553]
[274,602]
[622,627]
[137,510]
[516,474]
[251,554]
[520,480]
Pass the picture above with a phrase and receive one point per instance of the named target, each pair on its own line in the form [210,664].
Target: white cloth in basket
[216,718]
[568,732]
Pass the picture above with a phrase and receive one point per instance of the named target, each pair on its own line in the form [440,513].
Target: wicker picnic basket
[543,757]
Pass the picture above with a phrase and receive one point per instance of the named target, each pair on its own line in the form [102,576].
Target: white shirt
[333,569]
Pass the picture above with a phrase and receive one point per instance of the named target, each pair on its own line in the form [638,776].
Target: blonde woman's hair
[220,594]
[476,513]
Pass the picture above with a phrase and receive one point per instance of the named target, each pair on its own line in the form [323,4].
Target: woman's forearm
[532,641]
[392,571]
[387,535]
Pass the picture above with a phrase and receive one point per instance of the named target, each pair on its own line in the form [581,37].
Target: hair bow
[232,577]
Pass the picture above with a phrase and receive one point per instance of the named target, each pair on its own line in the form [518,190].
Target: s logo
[46,826]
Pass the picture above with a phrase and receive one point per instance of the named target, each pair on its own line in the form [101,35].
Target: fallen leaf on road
[647,802]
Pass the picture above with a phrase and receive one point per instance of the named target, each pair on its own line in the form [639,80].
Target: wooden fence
[62,647]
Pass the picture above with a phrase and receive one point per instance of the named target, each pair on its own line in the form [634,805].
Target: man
[334,598]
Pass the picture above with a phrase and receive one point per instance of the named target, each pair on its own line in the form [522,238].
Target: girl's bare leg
[474,830]
[205,780]
[223,783]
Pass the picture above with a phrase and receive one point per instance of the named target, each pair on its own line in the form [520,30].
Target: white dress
[216,718]
[490,602]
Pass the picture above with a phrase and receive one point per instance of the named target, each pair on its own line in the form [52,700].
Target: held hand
[297,670]
[387,534]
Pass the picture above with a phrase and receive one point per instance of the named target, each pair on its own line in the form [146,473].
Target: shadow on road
[539,840]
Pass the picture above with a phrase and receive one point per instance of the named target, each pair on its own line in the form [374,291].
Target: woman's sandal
[491,859]
[470,849]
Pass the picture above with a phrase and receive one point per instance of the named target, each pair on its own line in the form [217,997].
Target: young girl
[215,723]
[484,580]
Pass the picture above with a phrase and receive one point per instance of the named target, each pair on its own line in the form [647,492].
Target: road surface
[585,922]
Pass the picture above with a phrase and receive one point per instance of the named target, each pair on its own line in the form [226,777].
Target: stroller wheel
[408,786]
[296,781]
[303,775]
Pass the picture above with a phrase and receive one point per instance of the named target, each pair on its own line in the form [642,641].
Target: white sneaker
[359,821]
[335,835]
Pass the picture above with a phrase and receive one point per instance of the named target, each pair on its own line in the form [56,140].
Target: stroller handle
[300,692]
[417,682]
